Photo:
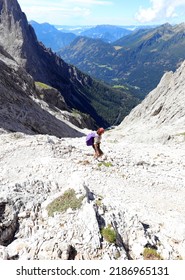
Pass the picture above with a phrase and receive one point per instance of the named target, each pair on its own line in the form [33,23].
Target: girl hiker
[94,139]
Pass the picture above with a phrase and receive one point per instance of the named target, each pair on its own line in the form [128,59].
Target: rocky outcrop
[161,116]
[20,108]
[77,234]
[51,96]
[56,101]
[8,222]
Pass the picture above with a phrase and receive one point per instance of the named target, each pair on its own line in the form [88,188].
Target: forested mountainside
[138,60]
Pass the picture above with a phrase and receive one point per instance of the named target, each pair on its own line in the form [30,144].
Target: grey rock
[8,222]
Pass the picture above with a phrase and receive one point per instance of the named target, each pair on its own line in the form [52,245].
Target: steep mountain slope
[20,108]
[52,37]
[79,90]
[107,33]
[90,55]
[162,113]
[139,59]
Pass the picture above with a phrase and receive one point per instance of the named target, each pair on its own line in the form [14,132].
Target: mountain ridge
[51,37]
[107,33]
[138,60]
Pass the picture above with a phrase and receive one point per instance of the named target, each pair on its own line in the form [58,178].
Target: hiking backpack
[90,138]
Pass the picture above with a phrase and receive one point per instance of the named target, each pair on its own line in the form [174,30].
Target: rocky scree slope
[136,192]
[129,201]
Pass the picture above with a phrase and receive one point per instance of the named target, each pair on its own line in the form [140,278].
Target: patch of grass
[42,85]
[151,254]
[62,203]
[103,163]
[182,133]
[104,66]
[121,86]
[180,258]
[76,113]
[109,234]
[98,201]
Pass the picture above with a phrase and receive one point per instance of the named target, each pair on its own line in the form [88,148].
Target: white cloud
[91,2]
[56,15]
[159,10]
[55,11]
[62,3]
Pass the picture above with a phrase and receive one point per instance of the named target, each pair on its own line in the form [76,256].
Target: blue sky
[94,12]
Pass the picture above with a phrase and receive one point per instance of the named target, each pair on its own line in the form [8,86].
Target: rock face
[20,108]
[57,104]
[161,115]
[8,222]
[18,39]
[27,108]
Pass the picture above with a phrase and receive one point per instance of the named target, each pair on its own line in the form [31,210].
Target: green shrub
[62,203]
[107,164]
[151,254]
[109,234]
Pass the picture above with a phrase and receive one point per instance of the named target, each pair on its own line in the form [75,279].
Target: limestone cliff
[21,109]
[162,113]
